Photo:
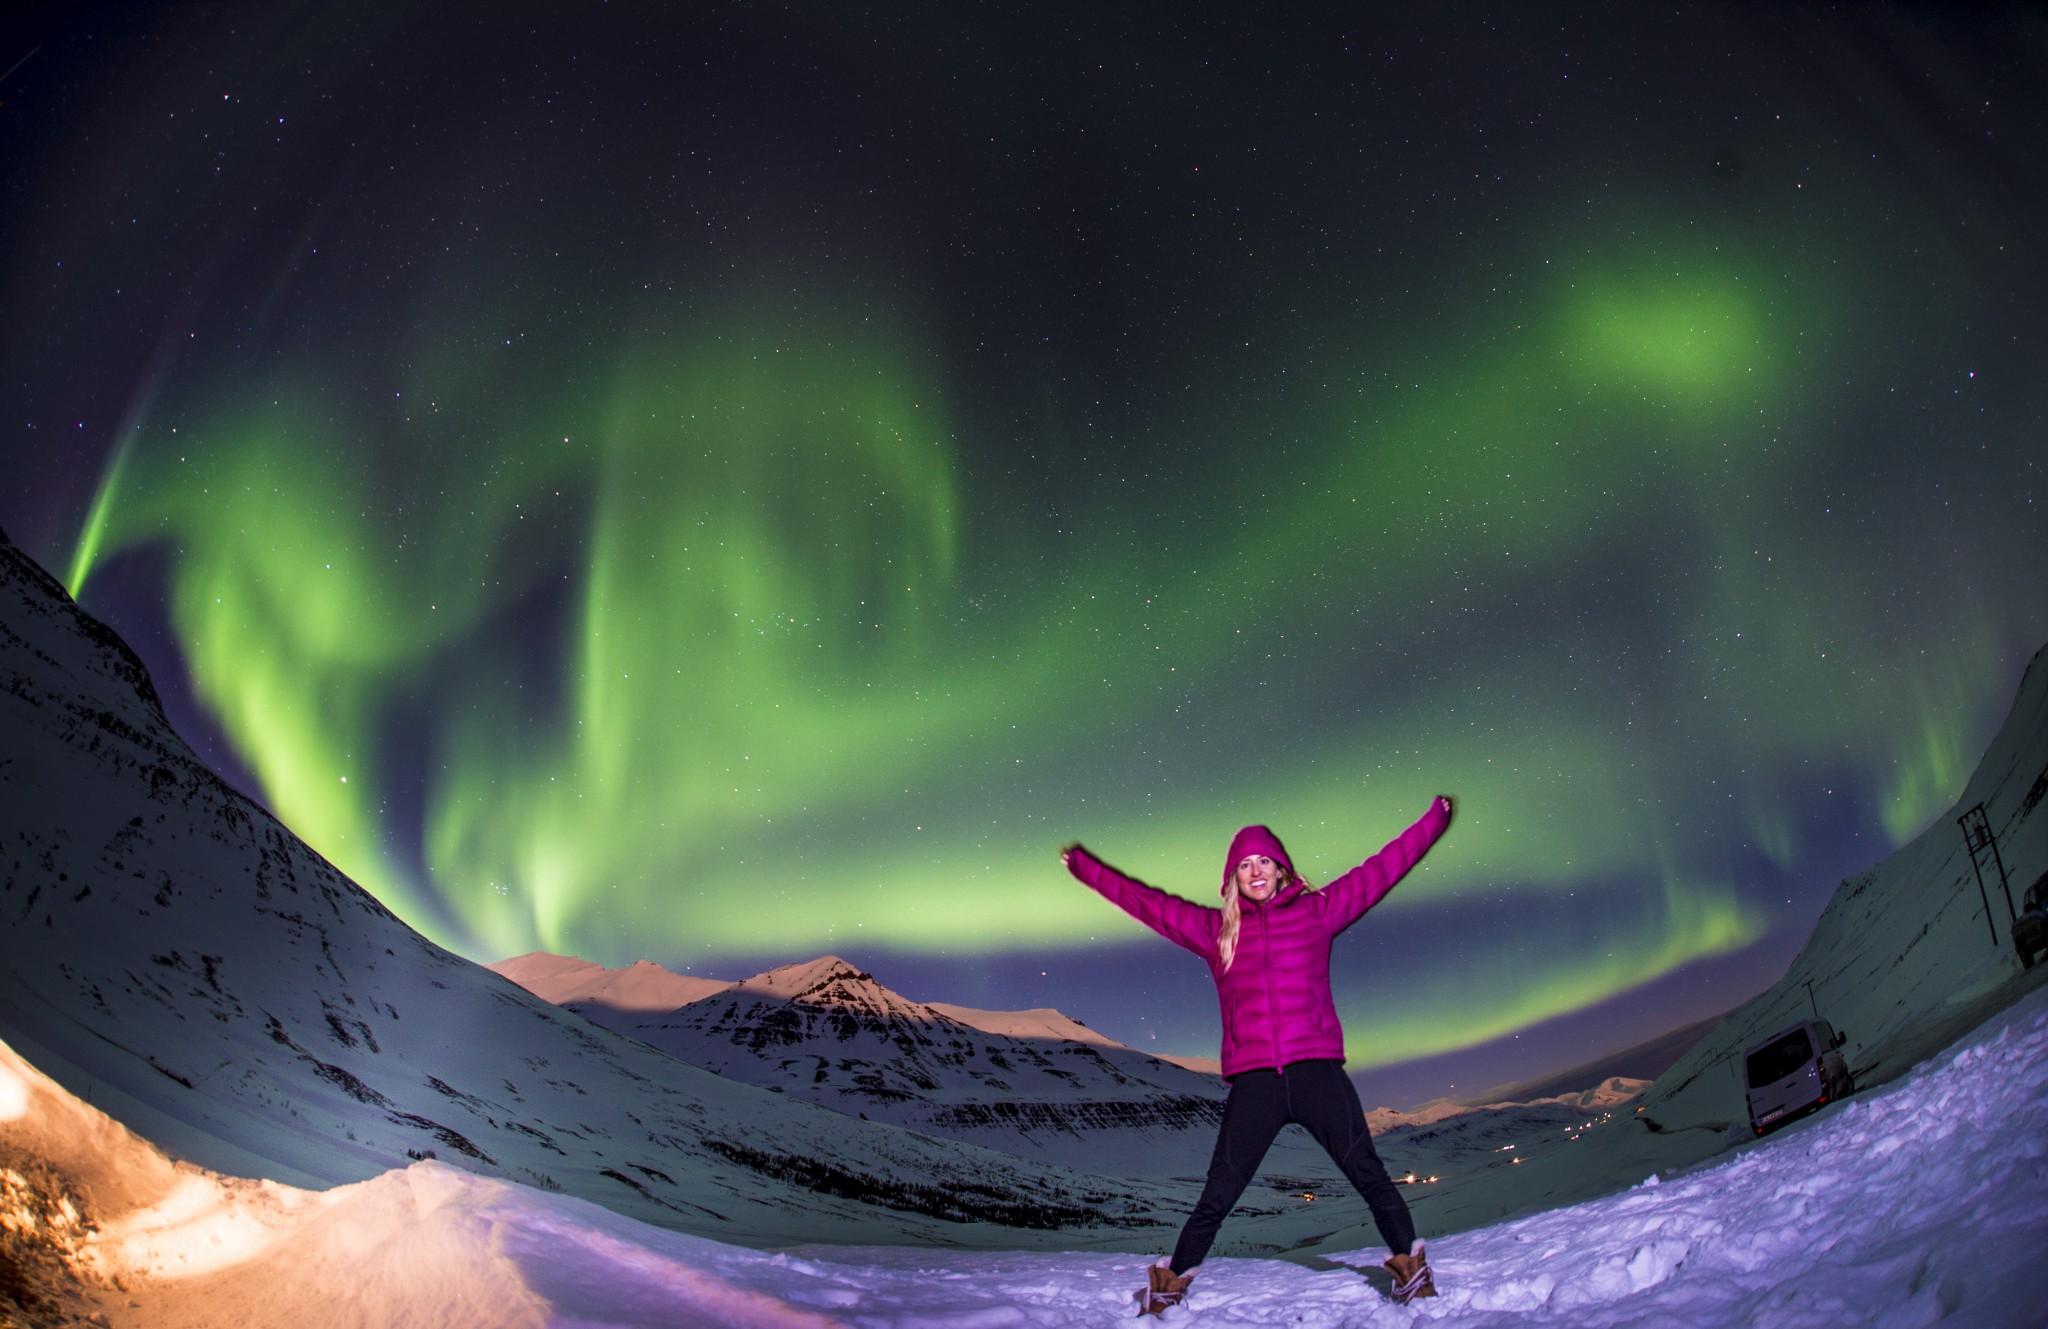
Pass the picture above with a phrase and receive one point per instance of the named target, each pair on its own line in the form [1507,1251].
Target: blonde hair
[1226,936]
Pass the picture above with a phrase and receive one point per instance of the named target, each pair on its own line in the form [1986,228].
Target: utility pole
[1977,838]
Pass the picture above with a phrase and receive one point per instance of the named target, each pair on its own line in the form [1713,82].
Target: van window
[1775,1061]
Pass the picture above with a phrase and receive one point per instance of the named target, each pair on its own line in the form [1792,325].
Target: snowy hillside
[1034,1084]
[1922,1203]
[177,956]
[1902,960]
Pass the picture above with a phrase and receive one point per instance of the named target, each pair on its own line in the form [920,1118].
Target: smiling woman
[1268,949]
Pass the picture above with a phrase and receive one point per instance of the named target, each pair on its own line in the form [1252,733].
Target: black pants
[1318,1095]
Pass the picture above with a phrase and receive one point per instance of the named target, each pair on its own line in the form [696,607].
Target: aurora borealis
[722,483]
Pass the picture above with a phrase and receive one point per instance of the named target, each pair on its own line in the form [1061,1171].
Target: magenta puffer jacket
[1276,1000]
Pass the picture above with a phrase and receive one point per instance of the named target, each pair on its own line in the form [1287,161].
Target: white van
[1793,1072]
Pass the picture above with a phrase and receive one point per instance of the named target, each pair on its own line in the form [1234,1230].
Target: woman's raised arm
[1367,884]
[1182,922]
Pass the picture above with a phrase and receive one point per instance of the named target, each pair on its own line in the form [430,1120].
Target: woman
[1268,949]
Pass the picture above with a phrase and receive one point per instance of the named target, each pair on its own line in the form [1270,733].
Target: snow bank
[1921,1204]
[1924,1203]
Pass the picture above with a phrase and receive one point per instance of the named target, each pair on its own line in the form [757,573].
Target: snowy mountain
[180,959]
[599,994]
[1925,1202]
[1035,1084]
[1904,958]
[1032,1083]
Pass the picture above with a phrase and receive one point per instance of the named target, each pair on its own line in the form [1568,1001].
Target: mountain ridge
[1142,1118]
[1035,1085]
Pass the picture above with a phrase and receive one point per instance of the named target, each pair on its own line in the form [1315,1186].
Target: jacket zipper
[1266,971]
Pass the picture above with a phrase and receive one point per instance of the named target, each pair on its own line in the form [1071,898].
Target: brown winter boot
[1166,1289]
[1411,1275]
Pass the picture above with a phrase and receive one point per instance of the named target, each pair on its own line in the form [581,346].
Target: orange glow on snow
[199,1228]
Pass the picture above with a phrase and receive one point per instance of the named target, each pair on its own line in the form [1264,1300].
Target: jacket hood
[1255,840]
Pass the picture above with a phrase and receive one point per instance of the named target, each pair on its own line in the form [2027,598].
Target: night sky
[721,483]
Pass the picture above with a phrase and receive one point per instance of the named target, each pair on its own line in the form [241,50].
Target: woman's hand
[1450,809]
[1067,853]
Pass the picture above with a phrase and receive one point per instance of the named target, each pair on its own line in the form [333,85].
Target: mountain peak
[810,979]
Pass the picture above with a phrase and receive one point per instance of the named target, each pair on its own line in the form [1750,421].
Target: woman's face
[1258,877]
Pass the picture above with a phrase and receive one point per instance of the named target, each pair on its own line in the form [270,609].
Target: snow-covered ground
[1922,1203]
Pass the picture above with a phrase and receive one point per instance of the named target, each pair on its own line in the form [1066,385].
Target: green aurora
[769,508]
[771,658]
